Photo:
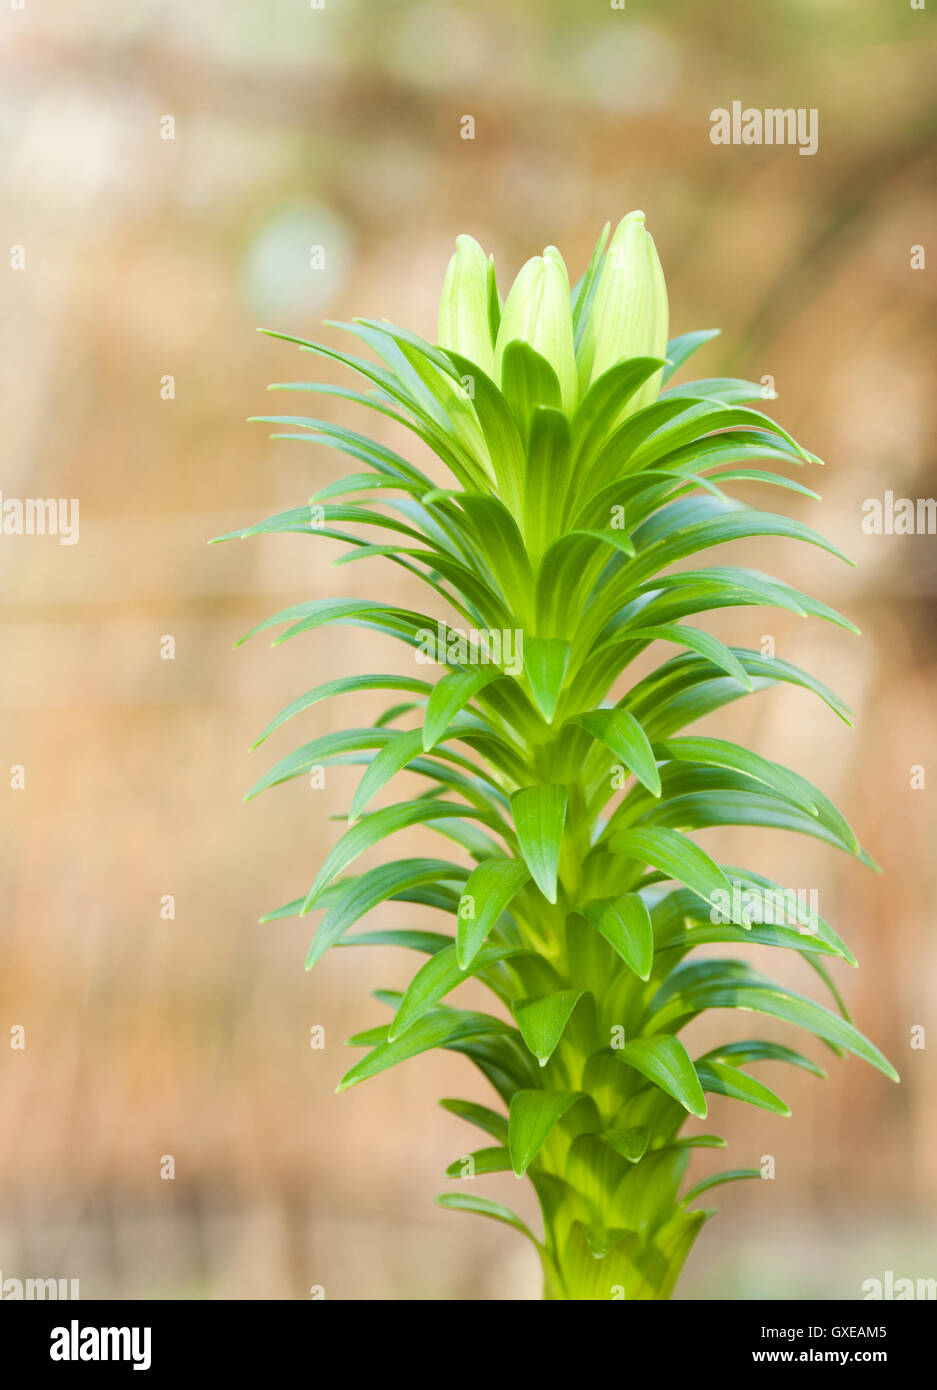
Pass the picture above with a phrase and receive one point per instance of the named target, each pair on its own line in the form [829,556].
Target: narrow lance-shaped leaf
[487,893]
[542,1021]
[539,816]
[626,925]
[665,1062]
[627,740]
[534,1114]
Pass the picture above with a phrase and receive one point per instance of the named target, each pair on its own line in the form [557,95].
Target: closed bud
[464,325]
[538,312]
[629,315]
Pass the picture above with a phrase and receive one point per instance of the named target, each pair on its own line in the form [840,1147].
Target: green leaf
[349,901]
[479,1115]
[622,733]
[342,687]
[488,891]
[721,1079]
[716,752]
[436,978]
[546,660]
[740,523]
[717,1179]
[584,292]
[450,695]
[757,1050]
[542,1021]
[319,751]
[318,613]
[664,1061]
[602,404]
[737,805]
[703,643]
[527,380]
[395,754]
[539,816]
[494,301]
[546,478]
[679,349]
[626,925]
[484,1206]
[499,542]
[501,432]
[696,591]
[438,1028]
[375,828]
[533,1117]
[426,942]
[698,1141]
[727,389]
[675,856]
[767,998]
[480,1162]
[629,1143]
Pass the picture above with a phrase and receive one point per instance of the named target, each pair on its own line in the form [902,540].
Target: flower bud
[464,325]
[629,316]
[538,312]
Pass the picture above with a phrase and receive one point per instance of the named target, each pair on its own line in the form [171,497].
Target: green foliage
[576,894]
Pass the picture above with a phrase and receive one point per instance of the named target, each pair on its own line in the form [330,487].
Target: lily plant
[576,476]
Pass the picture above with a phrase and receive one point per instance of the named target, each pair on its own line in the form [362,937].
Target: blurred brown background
[147,258]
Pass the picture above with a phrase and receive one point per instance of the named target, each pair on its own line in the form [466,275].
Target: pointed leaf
[674,855]
[765,997]
[351,899]
[341,687]
[394,756]
[546,660]
[451,695]
[717,1179]
[546,478]
[374,828]
[542,1021]
[484,1206]
[533,1117]
[664,1061]
[479,1115]
[480,1162]
[679,349]
[721,1079]
[629,1143]
[438,1028]
[626,925]
[703,643]
[539,816]
[488,891]
[440,974]
[622,733]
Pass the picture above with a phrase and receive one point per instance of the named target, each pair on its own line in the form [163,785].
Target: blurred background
[168,168]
